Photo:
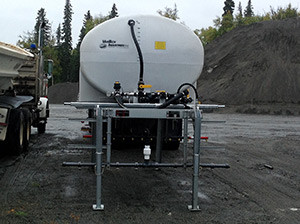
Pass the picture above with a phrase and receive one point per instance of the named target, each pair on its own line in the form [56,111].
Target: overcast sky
[18,16]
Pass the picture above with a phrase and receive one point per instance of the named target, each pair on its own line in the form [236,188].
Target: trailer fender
[14,101]
[43,107]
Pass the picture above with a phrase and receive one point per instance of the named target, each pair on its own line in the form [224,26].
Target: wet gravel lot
[262,185]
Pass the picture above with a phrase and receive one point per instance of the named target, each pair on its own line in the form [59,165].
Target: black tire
[41,128]
[27,127]
[15,133]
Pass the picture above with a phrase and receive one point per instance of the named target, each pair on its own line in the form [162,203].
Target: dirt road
[262,185]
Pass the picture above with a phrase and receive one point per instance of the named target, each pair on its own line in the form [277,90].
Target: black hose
[167,103]
[118,99]
[131,23]
[188,84]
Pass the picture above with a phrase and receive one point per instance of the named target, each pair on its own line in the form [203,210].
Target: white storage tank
[172,55]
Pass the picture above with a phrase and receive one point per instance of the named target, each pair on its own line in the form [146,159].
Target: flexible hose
[167,103]
[118,99]
[188,84]
[131,23]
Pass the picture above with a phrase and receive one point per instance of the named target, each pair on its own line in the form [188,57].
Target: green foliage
[67,27]
[229,22]
[114,12]
[83,32]
[59,45]
[66,46]
[169,12]
[75,64]
[58,35]
[229,7]
[52,52]
[26,40]
[240,10]
[41,18]
[88,23]
[283,13]
[207,35]
[249,10]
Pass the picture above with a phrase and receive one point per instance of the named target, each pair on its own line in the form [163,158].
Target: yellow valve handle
[145,86]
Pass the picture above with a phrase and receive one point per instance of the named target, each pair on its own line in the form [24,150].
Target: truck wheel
[16,132]
[41,128]
[27,128]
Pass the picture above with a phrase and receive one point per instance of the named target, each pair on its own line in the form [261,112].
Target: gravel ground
[262,185]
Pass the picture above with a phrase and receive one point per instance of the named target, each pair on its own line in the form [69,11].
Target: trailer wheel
[16,132]
[27,128]
[41,128]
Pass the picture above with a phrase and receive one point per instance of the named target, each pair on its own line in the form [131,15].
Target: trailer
[23,96]
[138,78]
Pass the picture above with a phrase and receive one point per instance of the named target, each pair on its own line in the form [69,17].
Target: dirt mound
[63,92]
[257,64]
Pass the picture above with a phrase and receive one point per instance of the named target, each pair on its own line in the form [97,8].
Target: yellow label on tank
[160,45]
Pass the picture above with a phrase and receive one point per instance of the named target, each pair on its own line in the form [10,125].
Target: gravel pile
[63,92]
[254,66]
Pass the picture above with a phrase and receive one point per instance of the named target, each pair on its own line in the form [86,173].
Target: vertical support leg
[93,129]
[108,143]
[197,138]
[158,141]
[185,137]
[99,126]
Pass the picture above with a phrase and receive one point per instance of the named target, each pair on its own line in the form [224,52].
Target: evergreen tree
[41,18]
[66,46]
[67,28]
[58,35]
[240,10]
[26,40]
[249,10]
[169,13]
[114,12]
[229,7]
[83,31]
[239,16]
[75,65]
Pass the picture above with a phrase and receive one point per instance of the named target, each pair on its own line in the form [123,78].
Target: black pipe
[178,96]
[131,23]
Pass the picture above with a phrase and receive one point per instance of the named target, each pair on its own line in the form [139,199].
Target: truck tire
[15,132]
[41,128]
[27,128]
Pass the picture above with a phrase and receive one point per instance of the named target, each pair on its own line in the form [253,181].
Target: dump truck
[23,95]
[141,59]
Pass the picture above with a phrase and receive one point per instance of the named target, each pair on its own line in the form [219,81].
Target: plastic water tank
[172,55]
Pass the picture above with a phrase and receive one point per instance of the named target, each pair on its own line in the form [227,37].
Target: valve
[147,152]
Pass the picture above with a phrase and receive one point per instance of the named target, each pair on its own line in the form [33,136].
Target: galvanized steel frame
[106,111]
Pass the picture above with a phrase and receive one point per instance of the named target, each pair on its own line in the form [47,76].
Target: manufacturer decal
[112,44]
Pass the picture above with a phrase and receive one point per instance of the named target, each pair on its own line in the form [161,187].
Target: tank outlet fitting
[147,152]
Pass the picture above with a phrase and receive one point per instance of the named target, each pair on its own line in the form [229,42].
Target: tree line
[58,46]
[229,20]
